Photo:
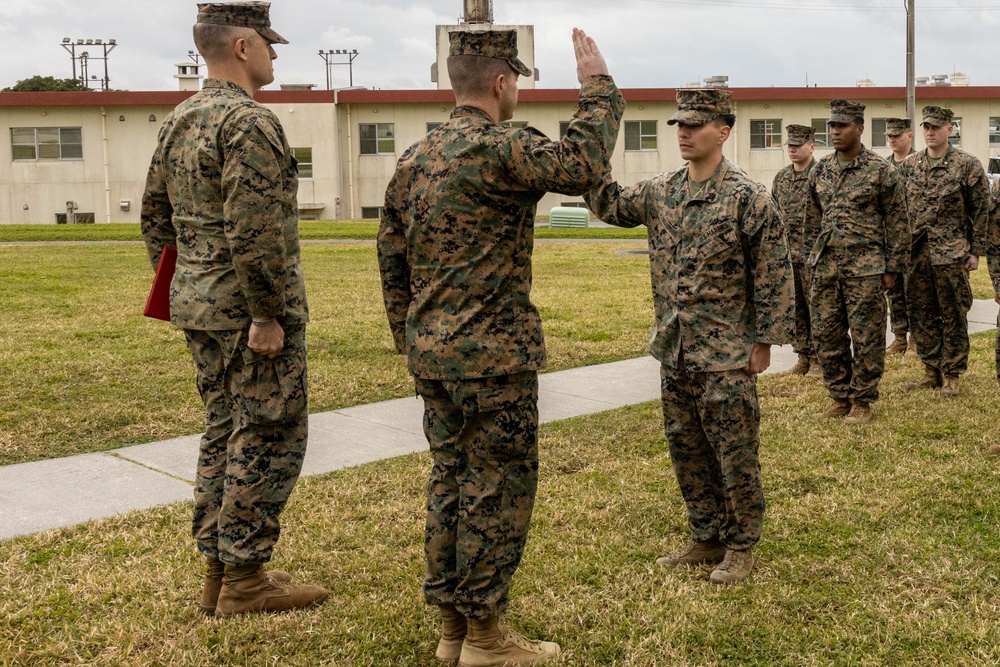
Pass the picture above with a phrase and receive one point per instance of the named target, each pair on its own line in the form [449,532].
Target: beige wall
[344,181]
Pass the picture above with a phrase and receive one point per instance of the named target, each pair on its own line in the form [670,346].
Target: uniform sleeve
[993,239]
[813,215]
[618,206]
[579,161]
[394,267]
[254,214]
[892,202]
[156,213]
[977,206]
[771,271]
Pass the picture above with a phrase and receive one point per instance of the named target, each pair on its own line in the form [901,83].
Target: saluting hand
[589,61]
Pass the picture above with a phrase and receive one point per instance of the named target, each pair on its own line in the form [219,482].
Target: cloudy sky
[648,43]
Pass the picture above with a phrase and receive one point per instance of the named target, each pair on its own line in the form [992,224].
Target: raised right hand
[589,60]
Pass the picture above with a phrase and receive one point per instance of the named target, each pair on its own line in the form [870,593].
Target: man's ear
[499,85]
[240,47]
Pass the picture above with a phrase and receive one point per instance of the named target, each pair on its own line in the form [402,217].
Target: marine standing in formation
[790,190]
[899,136]
[856,229]
[454,251]
[723,293]
[948,197]
[222,189]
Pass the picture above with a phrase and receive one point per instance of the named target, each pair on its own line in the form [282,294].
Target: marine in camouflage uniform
[856,228]
[723,293]
[899,136]
[790,190]
[948,199]
[222,188]
[454,250]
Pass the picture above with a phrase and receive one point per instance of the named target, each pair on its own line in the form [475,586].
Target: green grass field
[880,543]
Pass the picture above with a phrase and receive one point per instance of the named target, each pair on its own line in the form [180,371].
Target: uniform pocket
[273,390]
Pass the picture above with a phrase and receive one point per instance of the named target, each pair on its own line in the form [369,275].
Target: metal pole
[911,93]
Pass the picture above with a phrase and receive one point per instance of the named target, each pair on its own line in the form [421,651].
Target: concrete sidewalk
[63,492]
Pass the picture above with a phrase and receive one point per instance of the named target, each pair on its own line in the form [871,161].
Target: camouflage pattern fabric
[790,190]
[222,187]
[856,229]
[899,315]
[456,237]
[499,44]
[697,106]
[481,492]
[711,422]
[993,239]
[251,454]
[255,15]
[454,250]
[949,206]
[721,275]
[847,309]
[940,298]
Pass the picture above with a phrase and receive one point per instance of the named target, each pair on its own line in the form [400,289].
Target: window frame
[879,140]
[384,139]
[770,129]
[39,147]
[304,164]
[641,132]
[821,133]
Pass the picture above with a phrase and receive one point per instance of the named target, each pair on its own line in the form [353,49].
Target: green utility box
[569,216]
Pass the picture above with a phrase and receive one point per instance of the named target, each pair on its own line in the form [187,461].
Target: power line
[784,6]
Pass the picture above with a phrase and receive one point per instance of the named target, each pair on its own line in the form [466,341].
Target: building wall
[344,181]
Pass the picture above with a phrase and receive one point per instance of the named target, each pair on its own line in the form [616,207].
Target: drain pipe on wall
[107,179]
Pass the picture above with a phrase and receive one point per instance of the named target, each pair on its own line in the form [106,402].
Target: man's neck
[801,166]
[900,155]
[850,153]
[937,153]
[702,170]
[233,74]
[490,107]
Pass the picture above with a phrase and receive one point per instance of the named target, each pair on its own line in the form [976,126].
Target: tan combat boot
[249,589]
[931,380]
[815,370]
[861,413]
[696,553]
[994,450]
[213,583]
[490,643]
[734,568]
[839,408]
[801,366]
[453,630]
[911,349]
[898,345]
[950,385]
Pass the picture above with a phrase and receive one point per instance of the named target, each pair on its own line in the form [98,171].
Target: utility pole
[911,93]
[84,57]
[351,54]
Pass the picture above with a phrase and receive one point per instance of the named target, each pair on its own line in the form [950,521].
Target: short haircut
[727,119]
[213,39]
[473,76]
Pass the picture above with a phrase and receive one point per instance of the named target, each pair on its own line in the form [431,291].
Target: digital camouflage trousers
[940,298]
[256,425]
[712,423]
[483,436]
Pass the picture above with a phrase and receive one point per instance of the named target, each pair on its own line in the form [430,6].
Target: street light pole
[351,55]
[911,93]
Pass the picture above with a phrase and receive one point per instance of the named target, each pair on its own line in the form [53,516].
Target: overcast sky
[648,43]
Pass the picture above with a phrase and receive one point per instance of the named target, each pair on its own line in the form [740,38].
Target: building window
[433,126]
[994,131]
[371,212]
[516,124]
[377,138]
[956,135]
[81,218]
[765,133]
[46,143]
[821,132]
[563,129]
[640,135]
[304,157]
[878,133]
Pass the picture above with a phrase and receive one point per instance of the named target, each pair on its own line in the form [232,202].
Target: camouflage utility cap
[500,44]
[697,106]
[798,134]
[896,126]
[842,111]
[937,116]
[241,15]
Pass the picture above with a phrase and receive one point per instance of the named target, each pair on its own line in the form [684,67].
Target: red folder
[158,303]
